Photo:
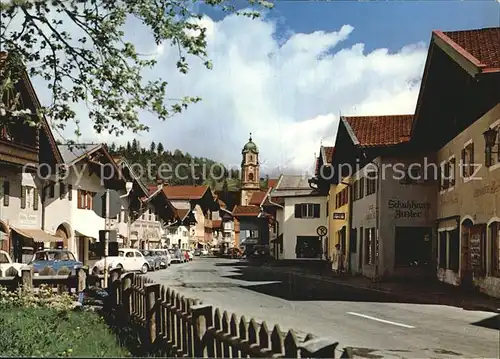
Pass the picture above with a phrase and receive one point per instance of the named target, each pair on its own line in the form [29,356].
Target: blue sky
[382,24]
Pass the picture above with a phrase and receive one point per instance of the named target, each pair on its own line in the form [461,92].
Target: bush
[44,298]
[47,332]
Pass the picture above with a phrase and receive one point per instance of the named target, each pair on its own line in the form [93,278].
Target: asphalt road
[374,325]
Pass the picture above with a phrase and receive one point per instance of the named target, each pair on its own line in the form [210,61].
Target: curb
[419,298]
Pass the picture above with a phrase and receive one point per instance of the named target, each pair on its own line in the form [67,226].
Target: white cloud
[288,93]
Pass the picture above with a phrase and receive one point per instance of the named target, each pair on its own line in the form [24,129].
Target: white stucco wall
[292,227]
[63,211]
[13,214]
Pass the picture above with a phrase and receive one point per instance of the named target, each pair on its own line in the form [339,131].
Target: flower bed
[45,324]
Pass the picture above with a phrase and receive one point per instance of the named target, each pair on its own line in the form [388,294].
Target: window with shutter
[23,197]
[62,190]
[452,165]
[317,210]
[327,209]
[70,192]
[52,189]
[472,164]
[362,187]
[35,199]
[89,196]
[446,176]
[298,211]
[80,199]
[6,193]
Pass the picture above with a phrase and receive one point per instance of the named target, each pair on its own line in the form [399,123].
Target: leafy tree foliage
[96,64]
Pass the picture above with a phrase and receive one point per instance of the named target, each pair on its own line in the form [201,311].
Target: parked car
[204,252]
[165,257]
[55,259]
[128,259]
[6,263]
[154,261]
[197,252]
[177,256]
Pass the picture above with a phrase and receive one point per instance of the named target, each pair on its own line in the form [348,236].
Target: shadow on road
[490,323]
[297,287]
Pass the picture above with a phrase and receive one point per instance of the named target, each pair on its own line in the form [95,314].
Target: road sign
[99,204]
[321,231]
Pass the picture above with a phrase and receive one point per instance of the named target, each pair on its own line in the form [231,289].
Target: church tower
[250,176]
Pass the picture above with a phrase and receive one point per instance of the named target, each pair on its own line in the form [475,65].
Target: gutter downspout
[349,224]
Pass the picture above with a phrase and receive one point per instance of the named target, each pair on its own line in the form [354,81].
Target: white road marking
[381,320]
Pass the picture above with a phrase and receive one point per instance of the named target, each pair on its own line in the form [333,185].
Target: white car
[164,253]
[204,252]
[128,259]
[6,263]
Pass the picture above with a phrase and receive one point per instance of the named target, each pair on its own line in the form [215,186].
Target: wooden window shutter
[472,167]
[70,192]
[89,200]
[327,209]
[35,199]
[79,198]
[463,162]
[298,211]
[317,210]
[6,193]
[23,197]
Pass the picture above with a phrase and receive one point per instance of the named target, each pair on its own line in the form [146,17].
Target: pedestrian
[336,259]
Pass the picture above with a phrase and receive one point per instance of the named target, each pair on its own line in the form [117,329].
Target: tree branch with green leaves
[99,66]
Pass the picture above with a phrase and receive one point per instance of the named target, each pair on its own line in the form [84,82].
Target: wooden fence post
[27,278]
[202,320]
[318,348]
[152,312]
[81,280]
[126,297]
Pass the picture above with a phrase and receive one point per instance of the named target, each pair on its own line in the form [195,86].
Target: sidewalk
[428,292]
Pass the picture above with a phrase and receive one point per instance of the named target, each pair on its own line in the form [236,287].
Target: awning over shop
[448,224]
[80,234]
[37,235]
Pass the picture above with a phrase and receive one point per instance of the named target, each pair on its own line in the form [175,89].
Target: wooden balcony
[208,223]
[18,144]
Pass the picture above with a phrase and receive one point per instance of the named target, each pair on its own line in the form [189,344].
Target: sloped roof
[247,211]
[185,192]
[32,94]
[272,182]
[481,45]
[72,154]
[257,198]
[291,186]
[379,131]
[179,204]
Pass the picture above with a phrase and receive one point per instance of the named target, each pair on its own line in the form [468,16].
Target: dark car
[197,252]
[55,259]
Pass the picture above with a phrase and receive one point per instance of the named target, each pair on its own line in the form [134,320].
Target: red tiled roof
[381,131]
[257,198]
[482,44]
[246,211]
[185,192]
[152,189]
[216,223]
[272,182]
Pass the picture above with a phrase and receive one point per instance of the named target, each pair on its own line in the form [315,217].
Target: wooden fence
[178,326]
[70,282]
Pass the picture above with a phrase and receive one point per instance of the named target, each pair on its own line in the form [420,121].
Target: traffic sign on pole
[99,203]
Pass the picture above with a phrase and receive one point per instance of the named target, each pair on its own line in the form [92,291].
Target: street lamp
[128,189]
[490,138]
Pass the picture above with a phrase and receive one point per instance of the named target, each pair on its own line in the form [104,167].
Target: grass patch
[48,332]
